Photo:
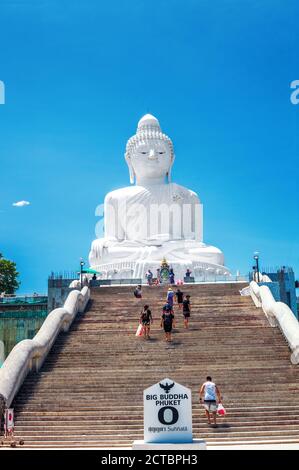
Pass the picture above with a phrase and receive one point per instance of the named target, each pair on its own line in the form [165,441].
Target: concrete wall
[58,290]
[15,326]
[274,288]
[284,278]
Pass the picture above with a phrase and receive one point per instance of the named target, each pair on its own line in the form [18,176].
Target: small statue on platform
[164,272]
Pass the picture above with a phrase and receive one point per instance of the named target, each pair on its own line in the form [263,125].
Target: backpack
[168,318]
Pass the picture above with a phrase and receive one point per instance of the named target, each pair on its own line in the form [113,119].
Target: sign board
[167,413]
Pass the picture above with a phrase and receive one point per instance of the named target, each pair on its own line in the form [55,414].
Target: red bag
[221,410]
[140,330]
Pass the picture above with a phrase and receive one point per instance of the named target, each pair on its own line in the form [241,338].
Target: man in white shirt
[210,390]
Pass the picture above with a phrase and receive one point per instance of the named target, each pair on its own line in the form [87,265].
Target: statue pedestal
[196,444]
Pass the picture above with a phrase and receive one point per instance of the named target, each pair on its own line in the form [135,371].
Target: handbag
[221,410]
[140,330]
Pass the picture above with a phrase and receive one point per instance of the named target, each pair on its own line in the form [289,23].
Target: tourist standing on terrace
[149,277]
[188,273]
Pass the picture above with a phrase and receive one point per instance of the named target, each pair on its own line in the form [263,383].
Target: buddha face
[151,159]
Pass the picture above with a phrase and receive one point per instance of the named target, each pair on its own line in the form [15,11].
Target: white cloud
[21,203]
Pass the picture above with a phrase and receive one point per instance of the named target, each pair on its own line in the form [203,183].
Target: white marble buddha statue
[154,218]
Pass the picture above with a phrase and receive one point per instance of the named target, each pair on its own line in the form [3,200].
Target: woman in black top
[146,319]
[167,321]
[186,311]
[179,297]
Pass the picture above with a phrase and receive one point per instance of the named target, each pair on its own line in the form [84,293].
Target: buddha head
[149,153]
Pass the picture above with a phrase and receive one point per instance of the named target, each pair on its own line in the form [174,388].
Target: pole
[257,268]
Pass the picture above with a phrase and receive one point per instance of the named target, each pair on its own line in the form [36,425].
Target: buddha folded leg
[207,253]
[111,251]
[176,251]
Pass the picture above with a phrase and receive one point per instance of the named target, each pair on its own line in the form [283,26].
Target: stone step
[117,436]
[138,408]
[66,407]
[131,414]
[108,427]
[96,391]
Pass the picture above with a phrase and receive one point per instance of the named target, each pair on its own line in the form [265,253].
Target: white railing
[278,314]
[30,354]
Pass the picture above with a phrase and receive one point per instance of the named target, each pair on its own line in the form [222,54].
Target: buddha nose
[152,154]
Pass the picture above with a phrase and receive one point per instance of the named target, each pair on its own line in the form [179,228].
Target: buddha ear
[168,174]
[132,176]
[131,171]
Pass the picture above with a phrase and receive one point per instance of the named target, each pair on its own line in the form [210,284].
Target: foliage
[8,276]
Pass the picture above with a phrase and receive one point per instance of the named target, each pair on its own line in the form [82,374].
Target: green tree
[8,276]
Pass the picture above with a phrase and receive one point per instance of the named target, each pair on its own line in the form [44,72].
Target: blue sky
[78,77]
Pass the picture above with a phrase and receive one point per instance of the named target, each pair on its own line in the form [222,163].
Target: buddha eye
[161,153]
[143,153]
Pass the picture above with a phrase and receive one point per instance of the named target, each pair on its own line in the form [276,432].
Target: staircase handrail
[279,314]
[30,354]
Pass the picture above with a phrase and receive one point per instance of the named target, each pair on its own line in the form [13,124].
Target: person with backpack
[186,311]
[146,320]
[167,321]
[209,389]
[170,296]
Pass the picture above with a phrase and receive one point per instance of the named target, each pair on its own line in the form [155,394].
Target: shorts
[146,323]
[210,405]
[186,314]
[167,328]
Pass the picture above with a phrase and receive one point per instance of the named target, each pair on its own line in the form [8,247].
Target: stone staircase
[89,392]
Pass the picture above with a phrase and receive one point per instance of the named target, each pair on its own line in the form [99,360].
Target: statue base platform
[137,270]
[196,444]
